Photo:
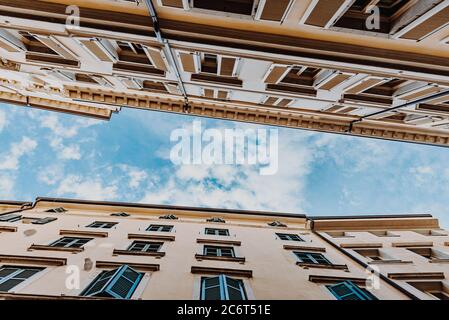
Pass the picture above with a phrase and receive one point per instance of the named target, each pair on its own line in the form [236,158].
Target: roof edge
[171,207]
[374,216]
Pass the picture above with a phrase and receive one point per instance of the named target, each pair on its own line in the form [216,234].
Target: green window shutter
[119,283]
[347,290]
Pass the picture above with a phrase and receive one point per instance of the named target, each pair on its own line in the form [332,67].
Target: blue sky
[126,159]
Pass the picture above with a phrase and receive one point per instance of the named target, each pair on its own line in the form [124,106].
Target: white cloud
[51,174]
[231,186]
[7,183]
[136,175]
[52,122]
[89,189]
[10,160]
[65,152]
[2,120]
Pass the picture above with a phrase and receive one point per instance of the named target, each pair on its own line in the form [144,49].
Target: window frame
[160,228]
[311,256]
[19,270]
[216,232]
[223,285]
[71,243]
[102,224]
[147,245]
[289,237]
[219,251]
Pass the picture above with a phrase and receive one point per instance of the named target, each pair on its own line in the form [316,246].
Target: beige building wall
[392,243]
[269,270]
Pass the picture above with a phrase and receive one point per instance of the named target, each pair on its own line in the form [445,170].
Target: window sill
[215,271]
[95,234]
[439,261]
[411,244]
[360,245]
[323,266]
[304,248]
[150,237]
[217,241]
[417,276]
[390,262]
[200,257]
[138,253]
[49,261]
[50,248]
[137,266]
[8,229]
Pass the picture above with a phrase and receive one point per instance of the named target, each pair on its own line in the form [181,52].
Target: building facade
[73,249]
[374,68]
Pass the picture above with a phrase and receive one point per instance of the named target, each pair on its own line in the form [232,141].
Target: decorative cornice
[229,272]
[138,266]
[50,261]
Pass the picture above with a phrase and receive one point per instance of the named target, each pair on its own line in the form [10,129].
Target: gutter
[363,264]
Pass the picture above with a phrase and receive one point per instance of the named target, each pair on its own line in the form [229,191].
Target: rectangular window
[145,246]
[435,289]
[312,258]
[70,242]
[222,288]
[159,228]
[216,232]
[104,225]
[11,276]
[119,283]
[10,217]
[347,290]
[244,7]
[289,237]
[219,251]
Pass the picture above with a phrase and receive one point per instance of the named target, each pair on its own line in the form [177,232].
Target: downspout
[410,103]
[363,264]
[169,53]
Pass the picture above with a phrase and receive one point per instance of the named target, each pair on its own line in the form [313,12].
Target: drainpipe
[169,53]
[410,103]
[363,264]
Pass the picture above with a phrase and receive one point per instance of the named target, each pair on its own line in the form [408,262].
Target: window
[244,7]
[120,214]
[10,217]
[145,246]
[435,289]
[277,224]
[430,233]
[289,237]
[222,288]
[372,254]
[312,258]
[11,276]
[216,232]
[219,251]
[160,228]
[70,242]
[44,220]
[169,217]
[57,210]
[347,290]
[339,234]
[119,283]
[216,219]
[383,233]
[428,253]
[100,224]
